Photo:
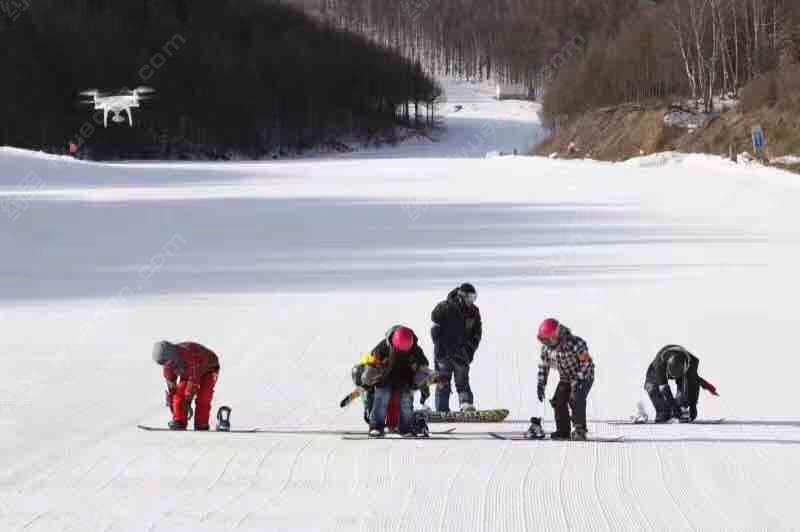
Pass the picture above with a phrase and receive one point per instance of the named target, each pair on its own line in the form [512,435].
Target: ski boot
[535,431]
[223,419]
[641,414]
[662,417]
[579,433]
[560,436]
[177,425]
[421,429]
[685,415]
[468,407]
[376,433]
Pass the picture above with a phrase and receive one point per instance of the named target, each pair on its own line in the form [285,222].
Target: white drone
[114,103]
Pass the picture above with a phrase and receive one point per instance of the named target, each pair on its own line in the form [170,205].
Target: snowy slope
[475,123]
[291,270]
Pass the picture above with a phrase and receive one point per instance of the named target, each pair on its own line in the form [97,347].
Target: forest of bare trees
[588,53]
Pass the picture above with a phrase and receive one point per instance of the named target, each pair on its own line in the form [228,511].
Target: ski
[521,437]
[165,429]
[478,416]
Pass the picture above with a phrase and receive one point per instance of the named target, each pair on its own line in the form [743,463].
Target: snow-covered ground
[291,270]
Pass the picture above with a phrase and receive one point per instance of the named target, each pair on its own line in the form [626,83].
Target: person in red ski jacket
[198,369]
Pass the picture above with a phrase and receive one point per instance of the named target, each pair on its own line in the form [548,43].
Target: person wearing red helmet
[197,367]
[390,369]
[569,354]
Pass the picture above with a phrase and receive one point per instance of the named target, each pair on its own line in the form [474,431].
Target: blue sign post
[759,143]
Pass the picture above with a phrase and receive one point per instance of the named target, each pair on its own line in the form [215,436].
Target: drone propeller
[89,92]
[144,90]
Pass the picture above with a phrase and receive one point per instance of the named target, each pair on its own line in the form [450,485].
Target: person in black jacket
[392,368]
[675,362]
[456,334]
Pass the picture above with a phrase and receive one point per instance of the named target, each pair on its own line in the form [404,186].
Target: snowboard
[521,437]
[478,416]
[396,437]
[718,421]
[165,429]
[298,432]
[330,432]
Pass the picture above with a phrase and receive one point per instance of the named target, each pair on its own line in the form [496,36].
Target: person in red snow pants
[191,372]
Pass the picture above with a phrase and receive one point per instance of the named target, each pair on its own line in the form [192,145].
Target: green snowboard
[477,416]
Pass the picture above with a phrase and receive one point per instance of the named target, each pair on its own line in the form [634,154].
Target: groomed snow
[291,270]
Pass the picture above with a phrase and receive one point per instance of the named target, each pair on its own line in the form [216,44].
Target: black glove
[540,391]
[425,393]
[373,376]
[666,393]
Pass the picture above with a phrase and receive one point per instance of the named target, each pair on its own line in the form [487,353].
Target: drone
[114,103]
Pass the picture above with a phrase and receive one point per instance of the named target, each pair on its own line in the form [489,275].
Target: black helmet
[467,293]
[677,365]
[356,373]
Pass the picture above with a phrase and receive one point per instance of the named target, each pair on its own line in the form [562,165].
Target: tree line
[590,53]
[699,49]
[237,75]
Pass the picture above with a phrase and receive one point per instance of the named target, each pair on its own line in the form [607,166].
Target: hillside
[621,132]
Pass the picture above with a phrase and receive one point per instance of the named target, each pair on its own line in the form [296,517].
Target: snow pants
[564,400]
[380,408]
[203,394]
[448,369]
[688,388]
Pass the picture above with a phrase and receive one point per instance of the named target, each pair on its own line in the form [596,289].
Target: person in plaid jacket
[569,354]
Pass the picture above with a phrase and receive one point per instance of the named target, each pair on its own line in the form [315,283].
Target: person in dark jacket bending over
[391,368]
[456,334]
[675,362]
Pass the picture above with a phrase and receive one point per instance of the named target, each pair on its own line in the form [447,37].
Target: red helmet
[549,331]
[402,339]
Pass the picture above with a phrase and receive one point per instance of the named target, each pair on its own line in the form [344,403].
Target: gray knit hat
[164,352]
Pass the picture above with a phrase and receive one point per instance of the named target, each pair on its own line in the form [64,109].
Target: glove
[710,388]
[425,393]
[372,376]
[191,390]
[540,392]
[666,393]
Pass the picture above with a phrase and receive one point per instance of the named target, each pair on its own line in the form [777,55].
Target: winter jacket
[194,362]
[657,371]
[387,367]
[570,357]
[457,329]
